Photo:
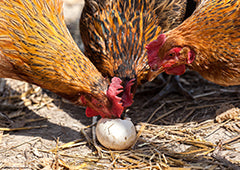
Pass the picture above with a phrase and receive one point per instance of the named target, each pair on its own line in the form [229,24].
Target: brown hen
[115,33]
[207,42]
[36,47]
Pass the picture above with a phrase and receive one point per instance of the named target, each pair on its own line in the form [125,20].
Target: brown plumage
[115,33]
[35,46]
[207,42]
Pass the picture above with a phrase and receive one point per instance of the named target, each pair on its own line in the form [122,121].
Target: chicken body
[115,33]
[36,47]
[207,42]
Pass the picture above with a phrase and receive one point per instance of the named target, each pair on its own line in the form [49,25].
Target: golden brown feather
[35,46]
[211,36]
[115,34]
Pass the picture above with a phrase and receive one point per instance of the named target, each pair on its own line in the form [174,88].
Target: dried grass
[184,145]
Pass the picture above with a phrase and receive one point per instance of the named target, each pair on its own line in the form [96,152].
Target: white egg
[117,134]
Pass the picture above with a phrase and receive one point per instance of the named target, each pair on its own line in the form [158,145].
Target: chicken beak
[153,74]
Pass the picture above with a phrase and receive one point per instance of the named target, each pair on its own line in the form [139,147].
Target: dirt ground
[175,131]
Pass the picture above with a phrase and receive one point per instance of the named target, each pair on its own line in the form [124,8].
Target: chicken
[207,42]
[36,47]
[115,33]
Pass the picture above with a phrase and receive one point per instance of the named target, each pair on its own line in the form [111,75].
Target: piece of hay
[226,112]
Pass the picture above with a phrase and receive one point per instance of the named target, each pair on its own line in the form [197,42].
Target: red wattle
[178,70]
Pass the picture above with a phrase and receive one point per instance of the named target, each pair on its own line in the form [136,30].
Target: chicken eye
[99,105]
[171,54]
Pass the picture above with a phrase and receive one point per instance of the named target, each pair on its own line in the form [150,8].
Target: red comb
[116,108]
[127,96]
[114,89]
[153,49]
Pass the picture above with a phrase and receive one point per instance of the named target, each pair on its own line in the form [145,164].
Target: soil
[60,122]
